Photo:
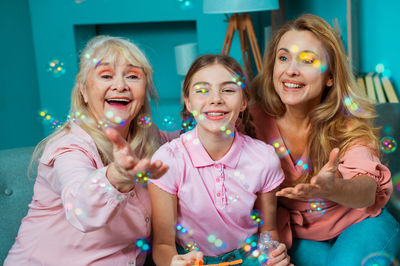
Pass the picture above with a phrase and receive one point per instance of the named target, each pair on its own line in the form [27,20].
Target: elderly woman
[89,206]
[309,108]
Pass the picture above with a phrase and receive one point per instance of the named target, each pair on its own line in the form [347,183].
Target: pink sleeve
[274,174]
[171,180]
[167,136]
[89,200]
[359,160]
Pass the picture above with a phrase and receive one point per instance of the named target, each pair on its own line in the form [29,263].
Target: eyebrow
[208,84]
[107,64]
[307,51]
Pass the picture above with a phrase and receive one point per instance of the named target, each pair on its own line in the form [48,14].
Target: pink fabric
[76,216]
[217,197]
[293,218]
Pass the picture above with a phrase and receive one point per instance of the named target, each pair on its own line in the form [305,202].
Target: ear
[83,92]
[329,82]
[187,104]
[244,104]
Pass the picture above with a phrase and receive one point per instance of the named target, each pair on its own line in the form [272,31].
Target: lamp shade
[238,6]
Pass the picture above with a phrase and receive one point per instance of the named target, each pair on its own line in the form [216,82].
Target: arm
[357,192]
[164,217]
[266,203]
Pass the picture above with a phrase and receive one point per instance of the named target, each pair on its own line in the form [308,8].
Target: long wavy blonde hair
[144,141]
[344,115]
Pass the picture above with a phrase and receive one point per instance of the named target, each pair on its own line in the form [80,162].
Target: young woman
[216,175]
[309,107]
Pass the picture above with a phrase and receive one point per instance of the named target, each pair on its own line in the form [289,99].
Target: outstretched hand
[188,259]
[123,170]
[321,186]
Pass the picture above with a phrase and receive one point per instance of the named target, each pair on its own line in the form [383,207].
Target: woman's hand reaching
[123,171]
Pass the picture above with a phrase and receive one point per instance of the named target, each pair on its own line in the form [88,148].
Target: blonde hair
[143,141]
[244,122]
[344,115]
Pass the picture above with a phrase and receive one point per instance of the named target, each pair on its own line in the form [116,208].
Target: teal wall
[39,31]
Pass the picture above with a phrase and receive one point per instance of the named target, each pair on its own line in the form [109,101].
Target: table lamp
[240,21]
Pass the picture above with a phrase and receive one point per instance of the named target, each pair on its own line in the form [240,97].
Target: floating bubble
[257,218]
[351,105]
[316,207]
[227,132]
[168,122]
[144,244]
[380,68]
[144,121]
[303,165]
[49,119]
[294,48]
[379,259]
[280,148]
[388,144]
[212,239]
[233,198]
[186,4]
[190,246]
[56,68]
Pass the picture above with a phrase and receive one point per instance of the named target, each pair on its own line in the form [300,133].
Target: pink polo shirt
[298,218]
[216,198]
[76,216]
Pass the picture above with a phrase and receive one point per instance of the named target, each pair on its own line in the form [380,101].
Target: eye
[201,91]
[306,58]
[106,76]
[283,58]
[229,90]
[133,76]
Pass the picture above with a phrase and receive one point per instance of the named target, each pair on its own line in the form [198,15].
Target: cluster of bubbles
[308,57]
[191,246]
[380,259]
[188,124]
[95,61]
[351,105]
[251,248]
[227,132]
[144,244]
[143,177]
[185,4]
[218,243]
[168,122]
[240,80]
[256,218]
[316,207]
[280,148]
[47,118]
[242,179]
[233,198]
[388,144]
[186,236]
[304,166]
[144,121]
[56,68]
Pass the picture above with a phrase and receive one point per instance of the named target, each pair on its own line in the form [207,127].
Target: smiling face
[215,99]
[300,74]
[115,91]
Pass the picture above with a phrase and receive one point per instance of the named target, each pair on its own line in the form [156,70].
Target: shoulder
[171,149]
[264,151]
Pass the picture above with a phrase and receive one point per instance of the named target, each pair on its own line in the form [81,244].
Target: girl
[86,209]
[307,102]
[216,174]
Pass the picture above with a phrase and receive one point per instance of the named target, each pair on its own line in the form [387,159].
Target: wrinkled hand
[187,259]
[122,171]
[280,256]
[321,186]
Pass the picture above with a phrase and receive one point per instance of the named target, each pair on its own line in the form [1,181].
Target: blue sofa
[16,188]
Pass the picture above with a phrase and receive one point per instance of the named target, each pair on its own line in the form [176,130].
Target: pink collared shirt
[298,218]
[76,216]
[216,198]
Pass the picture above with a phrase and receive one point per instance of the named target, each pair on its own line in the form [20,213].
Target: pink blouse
[321,220]
[216,198]
[76,216]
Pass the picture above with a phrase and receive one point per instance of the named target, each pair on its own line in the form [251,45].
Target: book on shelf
[369,84]
[378,88]
[380,96]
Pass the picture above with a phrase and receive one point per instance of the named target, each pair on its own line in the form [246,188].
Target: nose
[292,68]
[119,83]
[215,97]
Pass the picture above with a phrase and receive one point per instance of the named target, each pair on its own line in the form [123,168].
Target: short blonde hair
[333,122]
[143,141]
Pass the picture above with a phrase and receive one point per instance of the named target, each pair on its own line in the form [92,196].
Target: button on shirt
[216,198]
